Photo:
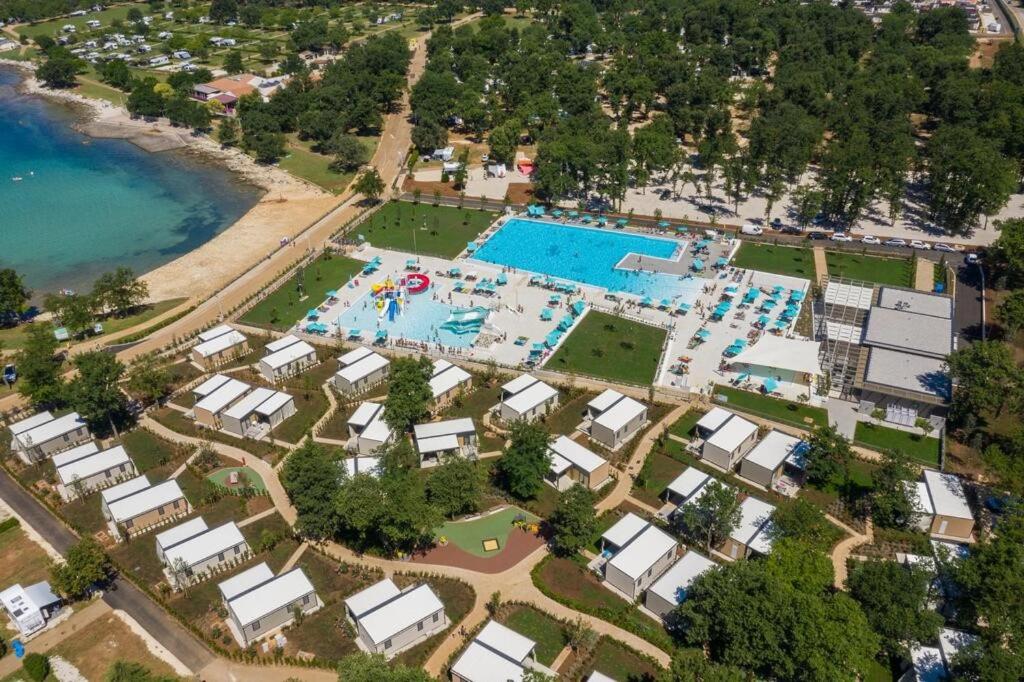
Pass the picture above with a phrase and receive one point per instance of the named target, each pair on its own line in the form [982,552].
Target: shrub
[8,524]
[37,667]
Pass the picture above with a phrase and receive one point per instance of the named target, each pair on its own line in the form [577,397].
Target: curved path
[841,552]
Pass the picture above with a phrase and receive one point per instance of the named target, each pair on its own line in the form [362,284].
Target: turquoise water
[85,206]
[421,320]
[588,256]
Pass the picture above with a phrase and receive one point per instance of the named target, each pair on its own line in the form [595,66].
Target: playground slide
[392,309]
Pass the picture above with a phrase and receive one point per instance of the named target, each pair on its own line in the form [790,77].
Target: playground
[232,478]
[511,531]
[487,535]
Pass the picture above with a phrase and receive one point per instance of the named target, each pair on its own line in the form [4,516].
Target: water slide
[392,309]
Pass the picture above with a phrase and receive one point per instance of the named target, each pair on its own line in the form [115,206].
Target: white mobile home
[497,653]
[44,435]
[526,397]
[258,412]
[389,621]
[219,345]
[729,441]
[136,506]
[286,357]
[941,505]
[687,486]
[367,430]
[84,469]
[438,439]
[765,463]
[669,591]
[30,607]
[258,603]
[572,463]
[615,418]
[753,534]
[360,370]
[191,551]
[642,554]
[446,382]
[208,386]
[208,411]
[361,465]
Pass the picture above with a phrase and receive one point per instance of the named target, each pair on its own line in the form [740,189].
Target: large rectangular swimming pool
[588,256]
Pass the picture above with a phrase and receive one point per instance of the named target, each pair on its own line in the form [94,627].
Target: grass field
[782,260]
[610,347]
[470,535]
[921,448]
[684,427]
[302,162]
[894,271]
[804,416]
[423,228]
[657,473]
[220,477]
[94,648]
[282,308]
[21,559]
[547,632]
[619,662]
[150,451]
[52,27]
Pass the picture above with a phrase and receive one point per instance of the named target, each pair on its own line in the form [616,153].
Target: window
[419,626]
[238,550]
[129,523]
[305,599]
[107,473]
[220,557]
[175,505]
[435,617]
[255,625]
[160,511]
[387,644]
[67,438]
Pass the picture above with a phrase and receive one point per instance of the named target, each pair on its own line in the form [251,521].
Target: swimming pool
[421,320]
[588,256]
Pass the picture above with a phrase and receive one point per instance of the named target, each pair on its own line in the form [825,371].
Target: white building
[286,357]
[30,607]
[572,463]
[191,551]
[933,664]
[446,382]
[615,418]
[209,410]
[765,463]
[687,486]
[669,591]
[941,505]
[436,440]
[43,435]
[496,654]
[85,468]
[136,506]
[259,604]
[389,620]
[367,430]
[361,465]
[753,534]
[219,345]
[727,437]
[526,397]
[642,552]
[360,370]
[258,412]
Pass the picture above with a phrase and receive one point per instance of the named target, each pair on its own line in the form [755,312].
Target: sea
[73,207]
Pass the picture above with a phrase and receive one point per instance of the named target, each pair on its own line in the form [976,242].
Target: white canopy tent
[795,355]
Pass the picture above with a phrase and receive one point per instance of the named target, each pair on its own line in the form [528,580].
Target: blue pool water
[420,321]
[588,256]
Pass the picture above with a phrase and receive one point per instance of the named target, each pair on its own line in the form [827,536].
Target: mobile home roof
[145,500]
[289,354]
[219,344]
[231,391]
[947,494]
[680,576]
[354,356]
[93,464]
[529,398]
[51,429]
[400,612]
[576,454]
[642,552]
[208,543]
[269,596]
[363,367]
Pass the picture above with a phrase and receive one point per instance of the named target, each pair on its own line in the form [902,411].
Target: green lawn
[569,414]
[282,308]
[610,347]
[302,162]
[684,427]
[616,660]
[658,471]
[782,260]
[150,451]
[220,477]
[894,271]
[803,416]
[921,448]
[423,228]
[541,628]
[474,405]
[469,535]
[52,28]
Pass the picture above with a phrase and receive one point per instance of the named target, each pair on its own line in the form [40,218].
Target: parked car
[777,223]
[918,244]
[895,241]
[944,247]
[870,239]
[841,237]
[972,258]
[791,229]
[752,229]
[815,234]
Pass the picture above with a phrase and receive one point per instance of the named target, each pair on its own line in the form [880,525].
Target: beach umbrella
[552,339]
[471,246]
[796,296]
[770,385]
[698,264]
[502,279]
[602,221]
[578,307]
[621,222]
[573,214]
[381,335]
[331,293]
[722,262]
[665,303]
[647,301]
[355,333]
[557,213]
[663,224]
[682,229]
[703,333]
[763,320]
[743,377]
[313,314]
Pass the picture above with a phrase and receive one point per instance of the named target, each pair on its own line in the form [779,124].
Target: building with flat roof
[219,345]
[360,370]
[527,398]
[753,534]
[765,463]
[367,430]
[496,653]
[669,591]
[85,468]
[361,465]
[191,552]
[258,413]
[642,553]
[389,620]
[259,603]
[614,418]
[446,382]
[210,408]
[571,463]
[728,438]
[941,505]
[436,440]
[687,486]
[136,506]
[30,607]
[286,357]
[43,435]
[934,664]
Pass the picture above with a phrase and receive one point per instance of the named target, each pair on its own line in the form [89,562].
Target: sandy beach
[288,206]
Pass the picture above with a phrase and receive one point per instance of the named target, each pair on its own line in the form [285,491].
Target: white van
[752,229]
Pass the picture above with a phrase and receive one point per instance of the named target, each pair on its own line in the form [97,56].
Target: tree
[233,62]
[36,666]
[828,456]
[409,394]
[145,100]
[455,487]
[526,461]
[1006,254]
[268,147]
[370,185]
[150,379]
[349,153]
[428,136]
[311,478]
[95,392]
[363,667]
[268,50]
[1010,313]
[801,520]
[573,523]
[710,519]
[86,565]
[116,73]
[890,505]
[129,671]
[228,133]
[503,141]
[58,72]
[13,296]
[223,11]
[987,378]
[894,598]
[74,311]
[689,665]
[119,291]
[39,366]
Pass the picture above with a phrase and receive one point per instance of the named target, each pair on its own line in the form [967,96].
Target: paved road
[122,594]
[967,316]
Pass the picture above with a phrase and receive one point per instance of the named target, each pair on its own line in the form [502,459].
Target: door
[942,527]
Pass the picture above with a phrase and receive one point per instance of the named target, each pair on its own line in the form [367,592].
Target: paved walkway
[842,550]
[294,558]
[256,517]
[820,264]
[924,275]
